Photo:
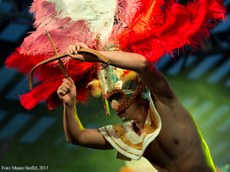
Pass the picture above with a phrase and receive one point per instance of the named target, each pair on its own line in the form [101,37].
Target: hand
[73,51]
[67,91]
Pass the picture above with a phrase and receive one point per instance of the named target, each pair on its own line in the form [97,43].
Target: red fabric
[160,28]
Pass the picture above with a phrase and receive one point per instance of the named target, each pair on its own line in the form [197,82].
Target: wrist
[70,103]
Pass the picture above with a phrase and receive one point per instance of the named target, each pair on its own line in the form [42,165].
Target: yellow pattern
[149,128]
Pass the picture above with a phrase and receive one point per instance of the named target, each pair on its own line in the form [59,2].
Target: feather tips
[95,86]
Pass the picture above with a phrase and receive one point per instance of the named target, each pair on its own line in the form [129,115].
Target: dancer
[160,128]
[132,35]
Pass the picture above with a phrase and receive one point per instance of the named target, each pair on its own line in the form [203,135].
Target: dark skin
[177,148]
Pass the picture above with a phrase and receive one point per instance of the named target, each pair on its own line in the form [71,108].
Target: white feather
[98,13]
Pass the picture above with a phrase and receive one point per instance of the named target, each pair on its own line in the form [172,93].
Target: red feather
[161,28]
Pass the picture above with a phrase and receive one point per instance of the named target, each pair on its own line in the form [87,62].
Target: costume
[129,144]
[148,27]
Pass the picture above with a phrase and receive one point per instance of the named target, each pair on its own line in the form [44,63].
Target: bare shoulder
[173,110]
[177,122]
[178,128]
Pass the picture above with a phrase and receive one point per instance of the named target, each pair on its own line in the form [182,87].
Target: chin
[123,117]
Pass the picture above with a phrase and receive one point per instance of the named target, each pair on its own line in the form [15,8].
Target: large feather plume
[148,27]
[160,26]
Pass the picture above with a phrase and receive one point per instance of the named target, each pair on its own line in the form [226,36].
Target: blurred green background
[36,137]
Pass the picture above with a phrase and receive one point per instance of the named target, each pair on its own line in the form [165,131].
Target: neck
[141,113]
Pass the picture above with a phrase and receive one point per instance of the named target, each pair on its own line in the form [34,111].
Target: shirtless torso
[182,149]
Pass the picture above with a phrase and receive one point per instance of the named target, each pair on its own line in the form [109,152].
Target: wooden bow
[60,56]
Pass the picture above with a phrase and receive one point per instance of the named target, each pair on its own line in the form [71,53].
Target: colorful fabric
[148,27]
[127,142]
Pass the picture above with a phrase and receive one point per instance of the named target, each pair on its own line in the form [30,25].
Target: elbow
[79,140]
[144,65]
[69,140]
[72,142]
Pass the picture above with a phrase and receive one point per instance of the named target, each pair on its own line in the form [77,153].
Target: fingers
[70,80]
[62,90]
[73,49]
[65,87]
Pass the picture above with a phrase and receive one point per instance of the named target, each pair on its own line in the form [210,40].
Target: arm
[74,131]
[150,76]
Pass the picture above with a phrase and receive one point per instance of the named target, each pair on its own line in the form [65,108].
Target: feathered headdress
[148,27]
